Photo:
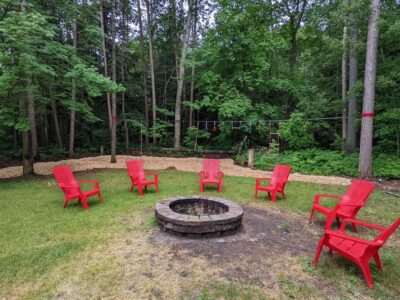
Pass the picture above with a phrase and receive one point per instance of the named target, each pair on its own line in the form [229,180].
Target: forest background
[84,77]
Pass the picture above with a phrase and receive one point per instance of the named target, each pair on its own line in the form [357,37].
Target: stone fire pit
[198,216]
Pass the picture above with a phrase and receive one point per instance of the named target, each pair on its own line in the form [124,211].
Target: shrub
[329,163]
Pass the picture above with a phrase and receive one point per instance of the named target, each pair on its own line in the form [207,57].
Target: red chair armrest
[66,186]
[201,173]
[258,180]
[95,182]
[221,174]
[155,175]
[358,222]
[352,238]
[319,196]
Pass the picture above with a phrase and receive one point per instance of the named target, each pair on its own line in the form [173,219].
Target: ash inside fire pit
[198,216]
[198,207]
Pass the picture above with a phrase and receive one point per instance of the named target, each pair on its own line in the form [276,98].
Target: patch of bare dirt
[271,245]
[190,164]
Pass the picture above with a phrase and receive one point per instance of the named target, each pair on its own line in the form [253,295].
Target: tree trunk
[344,88]
[114,94]
[144,73]
[105,61]
[178,103]
[193,67]
[32,122]
[353,77]
[174,39]
[365,163]
[73,93]
[124,41]
[27,155]
[153,80]
[56,124]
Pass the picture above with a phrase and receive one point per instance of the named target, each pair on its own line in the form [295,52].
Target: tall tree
[144,71]
[353,77]
[181,75]
[152,74]
[26,101]
[344,87]
[114,94]
[73,89]
[123,46]
[365,158]
[56,124]
[194,36]
[105,60]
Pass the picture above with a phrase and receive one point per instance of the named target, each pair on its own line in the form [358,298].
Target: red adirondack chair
[277,182]
[211,174]
[357,250]
[138,176]
[354,198]
[70,186]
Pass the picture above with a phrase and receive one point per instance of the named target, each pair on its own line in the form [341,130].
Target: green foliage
[194,135]
[319,162]
[297,132]
[92,81]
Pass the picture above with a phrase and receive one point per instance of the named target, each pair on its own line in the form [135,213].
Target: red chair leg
[256,193]
[201,187]
[311,215]
[65,203]
[367,274]
[100,198]
[156,187]
[355,228]
[140,187]
[132,187]
[319,249]
[283,195]
[219,187]
[84,203]
[378,261]
[273,196]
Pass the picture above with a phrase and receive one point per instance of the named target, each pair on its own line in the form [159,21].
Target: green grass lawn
[45,249]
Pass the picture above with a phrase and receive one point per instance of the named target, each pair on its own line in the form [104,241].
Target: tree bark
[178,103]
[365,162]
[344,88]
[32,122]
[73,92]
[153,80]
[353,77]
[193,67]
[174,38]
[105,61]
[27,155]
[144,73]
[114,94]
[124,41]
[56,124]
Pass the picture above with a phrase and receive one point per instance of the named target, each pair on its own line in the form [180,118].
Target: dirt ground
[190,164]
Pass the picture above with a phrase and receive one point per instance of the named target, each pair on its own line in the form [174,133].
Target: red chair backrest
[385,234]
[280,175]
[135,169]
[357,193]
[211,168]
[64,177]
